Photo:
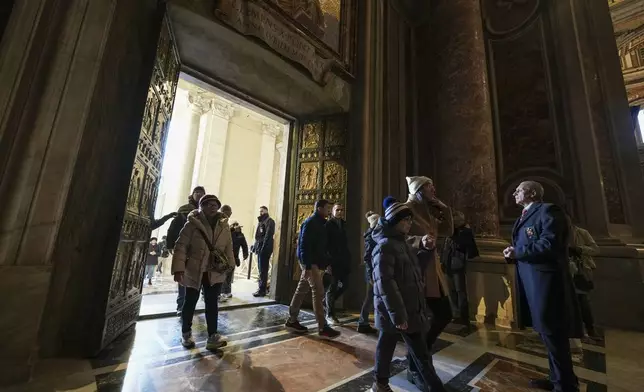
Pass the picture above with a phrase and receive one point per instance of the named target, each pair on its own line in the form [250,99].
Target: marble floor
[262,356]
[160,301]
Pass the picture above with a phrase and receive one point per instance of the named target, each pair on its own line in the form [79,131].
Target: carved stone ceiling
[243,64]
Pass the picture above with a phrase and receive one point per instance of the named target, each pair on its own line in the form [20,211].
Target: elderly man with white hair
[544,288]
[431,217]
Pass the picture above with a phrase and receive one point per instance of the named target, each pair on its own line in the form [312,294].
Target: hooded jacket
[191,253]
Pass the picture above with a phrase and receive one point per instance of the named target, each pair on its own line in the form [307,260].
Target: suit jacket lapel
[520,222]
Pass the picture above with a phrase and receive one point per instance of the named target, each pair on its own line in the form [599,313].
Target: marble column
[200,103]
[265,170]
[466,175]
[213,149]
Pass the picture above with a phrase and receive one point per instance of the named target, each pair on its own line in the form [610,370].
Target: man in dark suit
[544,288]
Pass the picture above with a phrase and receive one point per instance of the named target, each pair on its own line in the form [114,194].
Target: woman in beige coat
[190,267]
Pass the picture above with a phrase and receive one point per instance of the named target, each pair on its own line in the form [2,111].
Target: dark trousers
[586,313]
[211,297]
[367,306]
[263,263]
[227,286]
[334,287]
[181,296]
[418,354]
[562,374]
[458,295]
[441,315]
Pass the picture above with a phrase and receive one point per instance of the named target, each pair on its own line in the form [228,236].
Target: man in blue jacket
[313,256]
[544,288]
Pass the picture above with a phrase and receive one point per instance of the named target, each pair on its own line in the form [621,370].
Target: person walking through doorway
[431,216]
[263,248]
[544,288]
[226,289]
[340,260]
[457,250]
[175,228]
[204,249]
[367,304]
[312,253]
[152,260]
[400,306]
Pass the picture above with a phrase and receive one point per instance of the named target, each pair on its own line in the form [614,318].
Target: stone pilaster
[200,103]
[213,145]
[265,169]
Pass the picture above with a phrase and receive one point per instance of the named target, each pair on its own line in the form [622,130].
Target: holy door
[320,171]
[127,276]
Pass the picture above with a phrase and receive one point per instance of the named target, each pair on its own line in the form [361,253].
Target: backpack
[452,258]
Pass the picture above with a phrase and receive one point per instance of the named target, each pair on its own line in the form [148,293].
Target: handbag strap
[209,244]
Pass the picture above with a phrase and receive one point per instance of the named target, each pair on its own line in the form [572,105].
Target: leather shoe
[542,383]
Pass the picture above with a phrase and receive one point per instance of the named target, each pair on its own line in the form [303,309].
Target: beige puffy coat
[191,253]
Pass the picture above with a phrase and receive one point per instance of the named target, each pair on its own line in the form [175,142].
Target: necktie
[523,215]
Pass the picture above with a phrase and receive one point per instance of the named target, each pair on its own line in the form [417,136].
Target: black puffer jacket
[398,283]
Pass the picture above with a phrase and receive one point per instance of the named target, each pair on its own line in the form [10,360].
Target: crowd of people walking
[416,283]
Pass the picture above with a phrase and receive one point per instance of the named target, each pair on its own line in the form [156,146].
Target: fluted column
[200,103]
[466,173]
[213,148]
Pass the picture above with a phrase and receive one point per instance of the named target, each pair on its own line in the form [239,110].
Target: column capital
[223,108]
[271,129]
[200,103]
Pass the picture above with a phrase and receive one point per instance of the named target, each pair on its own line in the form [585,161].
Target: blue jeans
[149,271]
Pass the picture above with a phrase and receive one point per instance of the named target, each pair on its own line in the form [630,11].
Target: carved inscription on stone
[249,17]
[309,176]
[333,175]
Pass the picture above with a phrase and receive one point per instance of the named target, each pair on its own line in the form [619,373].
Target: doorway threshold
[230,305]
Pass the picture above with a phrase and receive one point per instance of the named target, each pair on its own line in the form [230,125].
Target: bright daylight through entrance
[234,151]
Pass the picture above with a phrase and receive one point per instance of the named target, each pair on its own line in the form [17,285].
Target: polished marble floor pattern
[263,356]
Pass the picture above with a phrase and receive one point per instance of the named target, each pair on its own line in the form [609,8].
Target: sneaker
[223,298]
[186,340]
[332,320]
[378,387]
[328,332]
[367,329]
[259,294]
[215,342]
[229,295]
[295,327]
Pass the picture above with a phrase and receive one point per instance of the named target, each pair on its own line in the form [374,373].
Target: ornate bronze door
[127,276]
[321,170]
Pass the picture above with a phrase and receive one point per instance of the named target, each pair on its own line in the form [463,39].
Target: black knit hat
[208,198]
[198,188]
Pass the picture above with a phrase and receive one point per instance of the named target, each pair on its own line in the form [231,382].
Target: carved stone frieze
[200,103]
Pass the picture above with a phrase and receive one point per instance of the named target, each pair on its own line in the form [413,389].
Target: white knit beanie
[415,183]
[372,218]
